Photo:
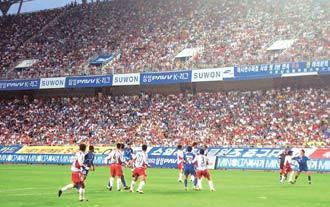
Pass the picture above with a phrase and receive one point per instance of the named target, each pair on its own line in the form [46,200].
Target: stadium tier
[276,118]
[141,35]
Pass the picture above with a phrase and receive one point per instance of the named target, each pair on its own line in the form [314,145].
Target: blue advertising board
[268,70]
[9,149]
[266,164]
[245,163]
[245,152]
[319,66]
[166,157]
[236,158]
[222,151]
[16,85]
[163,161]
[88,81]
[44,158]
[163,157]
[163,151]
[281,70]
[165,78]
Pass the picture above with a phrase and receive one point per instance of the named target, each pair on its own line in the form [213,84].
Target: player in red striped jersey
[180,162]
[116,158]
[287,169]
[140,161]
[201,170]
[76,174]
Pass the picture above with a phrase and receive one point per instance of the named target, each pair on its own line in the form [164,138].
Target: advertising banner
[88,81]
[266,70]
[165,77]
[245,152]
[254,152]
[213,74]
[282,70]
[162,162]
[49,83]
[59,150]
[16,85]
[205,75]
[245,163]
[9,149]
[166,157]
[320,154]
[126,79]
[266,164]
[44,159]
[318,66]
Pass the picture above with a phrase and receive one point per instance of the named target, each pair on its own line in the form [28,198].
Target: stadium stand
[147,35]
[299,117]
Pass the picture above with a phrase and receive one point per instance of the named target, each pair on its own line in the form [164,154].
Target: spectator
[260,118]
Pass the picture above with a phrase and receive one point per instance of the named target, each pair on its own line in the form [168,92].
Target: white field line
[262,197]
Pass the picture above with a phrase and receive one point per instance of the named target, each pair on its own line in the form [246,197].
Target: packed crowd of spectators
[147,35]
[16,30]
[299,117]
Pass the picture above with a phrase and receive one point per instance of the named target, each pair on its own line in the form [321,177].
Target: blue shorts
[303,169]
[189,171]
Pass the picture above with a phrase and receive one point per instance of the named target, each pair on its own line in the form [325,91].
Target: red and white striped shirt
[78,162]
[140,160]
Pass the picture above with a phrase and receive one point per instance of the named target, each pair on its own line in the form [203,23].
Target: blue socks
[185,183]
[195,182]
[123,181]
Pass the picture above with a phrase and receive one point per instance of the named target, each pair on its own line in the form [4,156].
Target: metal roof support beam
[20,6]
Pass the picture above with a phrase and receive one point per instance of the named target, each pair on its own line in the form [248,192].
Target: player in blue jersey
[89,162]
[128,153]
[125,161]
[303,167]
[195,151]
[189,167]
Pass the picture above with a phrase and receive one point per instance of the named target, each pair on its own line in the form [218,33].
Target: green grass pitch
[37,186]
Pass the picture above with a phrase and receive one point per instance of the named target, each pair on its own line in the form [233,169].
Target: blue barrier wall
[165,157]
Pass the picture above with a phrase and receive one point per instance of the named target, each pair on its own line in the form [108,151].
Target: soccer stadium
[183,103]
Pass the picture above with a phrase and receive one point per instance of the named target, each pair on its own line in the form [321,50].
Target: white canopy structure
[188,52]
[26,63]
[281,45]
